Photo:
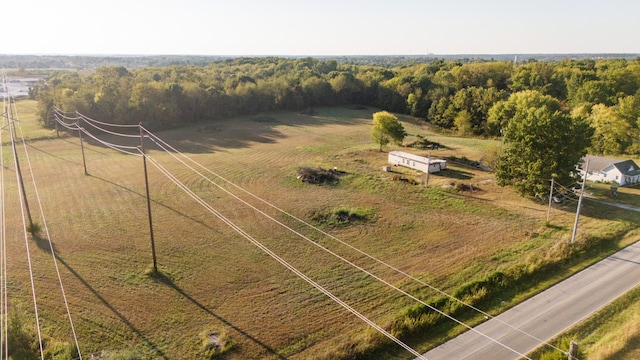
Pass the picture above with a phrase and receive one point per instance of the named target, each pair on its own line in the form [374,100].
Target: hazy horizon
[331,28]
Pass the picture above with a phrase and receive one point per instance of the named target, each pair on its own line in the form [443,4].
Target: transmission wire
[112,132]
[106,123]
[4,320]
[46,228]
[26,239]
[116,147]
[359,267]
[278,258]
[71,127]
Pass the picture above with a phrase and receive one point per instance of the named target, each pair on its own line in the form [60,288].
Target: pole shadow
[55,156]
[43,243]
[161,278]
[153,201]
[159,353]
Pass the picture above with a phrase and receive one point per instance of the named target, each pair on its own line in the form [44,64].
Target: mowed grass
[211,279]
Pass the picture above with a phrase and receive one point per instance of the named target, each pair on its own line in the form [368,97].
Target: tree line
[464,97]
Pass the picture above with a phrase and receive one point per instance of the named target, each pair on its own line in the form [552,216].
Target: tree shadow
[163,279]
[633,344]
[600,210]
[233,133]
[158,352]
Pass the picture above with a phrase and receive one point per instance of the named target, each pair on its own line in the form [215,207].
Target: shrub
[215,344]
[403,179]
[34,229]
[22,341]
[343,216]
[319,175]
[423,144]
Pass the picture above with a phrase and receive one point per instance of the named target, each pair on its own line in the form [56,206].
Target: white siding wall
[606,175]
[416,162]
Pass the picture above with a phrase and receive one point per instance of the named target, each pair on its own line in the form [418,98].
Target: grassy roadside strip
[611,333]
[423,328]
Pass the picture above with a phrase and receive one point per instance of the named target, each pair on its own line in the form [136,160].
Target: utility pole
[146,183]
[11,125]
[550,198]
[84,162]
[428,169]
[57,130]
[573,351]
[575,224]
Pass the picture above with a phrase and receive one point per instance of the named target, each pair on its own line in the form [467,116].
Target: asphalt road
[547,314]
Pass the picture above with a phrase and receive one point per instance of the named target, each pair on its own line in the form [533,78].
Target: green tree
[463,122]
[387,128]
[541,76]
[540,140]
[611,132]
[628,108]
[501,113]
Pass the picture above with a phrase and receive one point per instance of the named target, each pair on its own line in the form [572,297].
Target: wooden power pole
[575,224]
[550,198]
[11,124]
[573,351]
[146,183]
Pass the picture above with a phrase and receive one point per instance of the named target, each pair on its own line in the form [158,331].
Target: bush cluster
[319,176]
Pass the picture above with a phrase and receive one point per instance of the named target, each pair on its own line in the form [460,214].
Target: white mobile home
[401,158]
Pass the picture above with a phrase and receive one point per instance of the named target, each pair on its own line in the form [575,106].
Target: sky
[321,28]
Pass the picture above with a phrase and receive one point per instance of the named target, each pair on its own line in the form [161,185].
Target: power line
[113,146]
[4,321]
[120,148]
[279,259]
[63,115]
[360,268]
[157,139]
[346,244]
[111,132]
[13,110]
[73,126]
[53,253]
[258,244]
[106,123]
[24,226]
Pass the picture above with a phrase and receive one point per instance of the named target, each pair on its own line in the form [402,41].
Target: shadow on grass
[601,210]
[160,277]
[158,353]
[454,174]
[153,201]
[55,156]
[233,132]
[556,227]
[43,243]
[627,352]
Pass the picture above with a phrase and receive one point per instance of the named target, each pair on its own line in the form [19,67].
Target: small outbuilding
[401,158]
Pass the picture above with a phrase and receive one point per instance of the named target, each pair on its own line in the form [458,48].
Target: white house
[401,158]
[622,172]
